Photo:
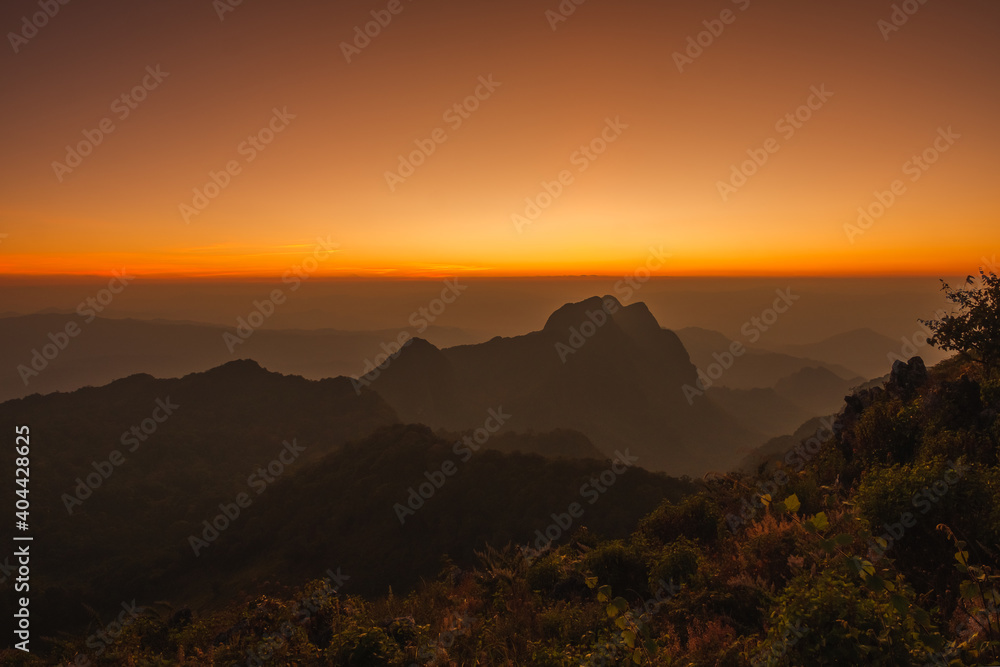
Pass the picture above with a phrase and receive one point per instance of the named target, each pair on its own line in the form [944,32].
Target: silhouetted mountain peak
[237,369]
[416,352]
[636,318]
[418,358]
[421,346]
[574,314]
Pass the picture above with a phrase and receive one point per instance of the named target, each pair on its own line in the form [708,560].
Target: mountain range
[599,367]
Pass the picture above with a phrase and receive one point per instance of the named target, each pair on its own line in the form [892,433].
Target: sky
[583,143]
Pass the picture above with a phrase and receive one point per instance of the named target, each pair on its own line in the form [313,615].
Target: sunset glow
[302,141]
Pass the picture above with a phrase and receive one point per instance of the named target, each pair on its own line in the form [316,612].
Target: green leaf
[875,583]
[792,503]
[591,582]
[843,539]
[862,567]
[969,590]
[901,604]
[820,521]
[629,638]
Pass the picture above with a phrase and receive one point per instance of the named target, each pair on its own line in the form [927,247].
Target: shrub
[827,619]
[697,517]
[887,433]
[620,566]
[677,563]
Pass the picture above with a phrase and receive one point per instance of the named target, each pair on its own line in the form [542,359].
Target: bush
[677,563]
[887,433]
[361,646]
[925,495]
[620,566]
[544,574]
[827,619]
[767,548]
[697,517]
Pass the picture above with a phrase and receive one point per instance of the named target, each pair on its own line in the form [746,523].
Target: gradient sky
[656,185]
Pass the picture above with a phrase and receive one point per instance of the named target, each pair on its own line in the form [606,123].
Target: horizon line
[257,278]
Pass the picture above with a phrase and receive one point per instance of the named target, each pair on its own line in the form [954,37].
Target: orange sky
[656,184]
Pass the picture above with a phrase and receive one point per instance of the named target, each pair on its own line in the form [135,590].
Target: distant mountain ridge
[596,366]
[108,349]
[869,353]
[756,368]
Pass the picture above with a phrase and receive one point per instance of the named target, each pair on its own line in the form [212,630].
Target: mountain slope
[756,368]
[865,351]
[606,370]
[121,472]
[816,390]
[105,350]
[354,510]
